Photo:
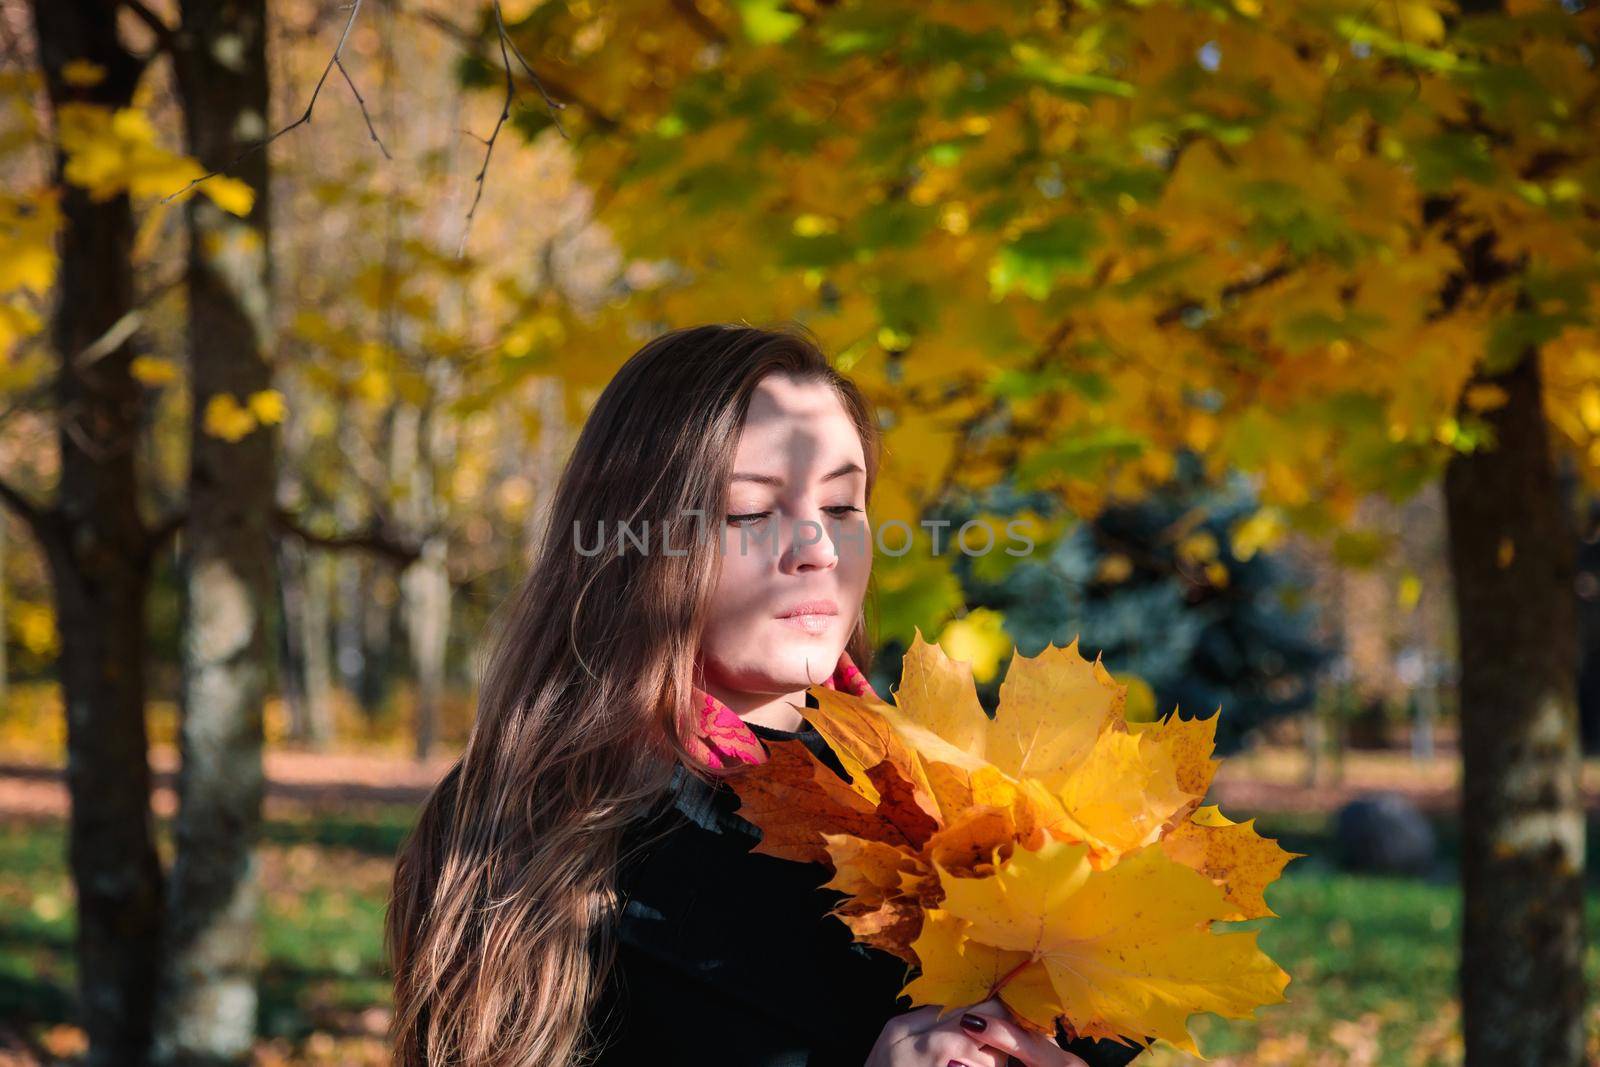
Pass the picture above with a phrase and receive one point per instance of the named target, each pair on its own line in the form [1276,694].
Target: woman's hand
[983,1035]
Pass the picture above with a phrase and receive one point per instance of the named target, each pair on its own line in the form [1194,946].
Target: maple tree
[1347,247]
[1055,855]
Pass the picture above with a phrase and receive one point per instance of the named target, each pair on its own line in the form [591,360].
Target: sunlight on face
[795,532]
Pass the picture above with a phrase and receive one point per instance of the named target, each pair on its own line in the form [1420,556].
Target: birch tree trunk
[208,1009]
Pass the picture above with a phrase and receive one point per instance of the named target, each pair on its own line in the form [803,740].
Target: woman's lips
[810,616]
[809,623]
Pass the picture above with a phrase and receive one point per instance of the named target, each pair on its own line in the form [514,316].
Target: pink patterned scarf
[722,738]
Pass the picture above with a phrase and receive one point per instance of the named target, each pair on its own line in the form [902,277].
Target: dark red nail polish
[975,1023]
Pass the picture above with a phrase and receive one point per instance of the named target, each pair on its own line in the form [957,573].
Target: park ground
[1372,959]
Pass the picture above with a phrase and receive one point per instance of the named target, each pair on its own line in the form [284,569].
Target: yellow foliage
[17,322]
[110,152]
[1249,245]
[1055,855]
[268,406]
[1118,952]
[226,418]
[1409,593]
[81,74]
[28,228]
[153,370]
[979,638]
[34,625]
[1262,529]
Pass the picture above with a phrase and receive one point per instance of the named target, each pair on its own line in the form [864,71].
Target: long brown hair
[498,931]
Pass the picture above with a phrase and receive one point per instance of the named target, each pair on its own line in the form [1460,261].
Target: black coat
[703,974]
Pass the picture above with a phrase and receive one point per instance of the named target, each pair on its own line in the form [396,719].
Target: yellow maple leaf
[28,226]
[1052,708]
[1126,951]
[232,195]
[1060,726]
[226,418]
[268,406]
[1231,854]
[153,370]
[1190,743]
[1121,795]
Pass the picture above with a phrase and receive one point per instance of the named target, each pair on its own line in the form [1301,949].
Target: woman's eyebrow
[847,467]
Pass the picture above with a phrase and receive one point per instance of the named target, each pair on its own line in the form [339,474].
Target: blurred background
[1272,325]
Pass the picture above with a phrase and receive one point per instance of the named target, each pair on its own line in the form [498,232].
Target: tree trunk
[292,581]
[5,667]
[208,1010]
[98,552]
[427,599]
[319,577]
[1511,554]
[303,584]
[1588,585]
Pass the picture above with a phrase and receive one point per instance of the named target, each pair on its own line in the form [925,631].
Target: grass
[1372,959]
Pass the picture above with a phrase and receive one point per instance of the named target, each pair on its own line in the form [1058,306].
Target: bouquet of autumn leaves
[1056,856]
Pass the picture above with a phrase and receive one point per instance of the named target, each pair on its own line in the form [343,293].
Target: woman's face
[795,535]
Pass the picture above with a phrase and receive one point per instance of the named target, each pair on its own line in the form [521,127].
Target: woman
[579,887]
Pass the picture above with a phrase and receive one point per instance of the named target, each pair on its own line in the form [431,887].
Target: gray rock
[1384,833]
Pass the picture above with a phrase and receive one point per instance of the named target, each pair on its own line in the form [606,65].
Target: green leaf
[895,224]
[767,21]
[1081,453]
[1020,384]
[1034,261]
[1045,70]
[530,119]
[651,155]
[907,307]
[1310,328]
[861,29]
[914,589]
[472,72]
[823,250]
[938,42]
[715,187]
[1444,157]
[1144,184]
[1514,333]
[1381,41]
[788,135]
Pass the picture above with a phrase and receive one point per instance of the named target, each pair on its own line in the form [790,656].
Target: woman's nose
[811,544]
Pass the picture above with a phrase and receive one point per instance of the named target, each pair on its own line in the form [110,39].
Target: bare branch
[157,25]
[699,22]
[40,519]
[126,325]
[488,151]
[375,539]
[333,60]
[1229,291]
[569,96]
[506,41]
[508,48]
[360,100]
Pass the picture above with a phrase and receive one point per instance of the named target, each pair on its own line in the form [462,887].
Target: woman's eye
[846,508]
[740,520]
